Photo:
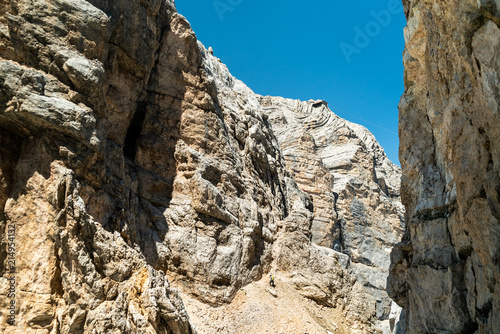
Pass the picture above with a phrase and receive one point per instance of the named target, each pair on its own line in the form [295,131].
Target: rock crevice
[134,166]
[444,272]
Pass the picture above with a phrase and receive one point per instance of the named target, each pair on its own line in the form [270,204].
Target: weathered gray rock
[353,186]
[445,272]
[316,282]
[80,264]
[126,161]
[341,161]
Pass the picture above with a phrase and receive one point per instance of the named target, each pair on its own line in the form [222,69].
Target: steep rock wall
[353,186]
[446,271]
[331,158]
[122,164]
[238,100]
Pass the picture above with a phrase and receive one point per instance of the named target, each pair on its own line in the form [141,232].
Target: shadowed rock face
[445,273]
[72,76]
[124,161]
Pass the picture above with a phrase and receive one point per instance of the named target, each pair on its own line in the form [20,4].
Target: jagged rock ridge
[446,272]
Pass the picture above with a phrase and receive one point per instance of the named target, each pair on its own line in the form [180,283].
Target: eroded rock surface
[446,271]
[123,162]
[353,186]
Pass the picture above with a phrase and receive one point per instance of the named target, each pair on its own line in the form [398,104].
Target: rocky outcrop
[445,273]
[72,77]
[124,162]
[353,186]
[311,267]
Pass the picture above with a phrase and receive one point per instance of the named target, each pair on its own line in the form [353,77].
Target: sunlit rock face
[131,162]
[353,186]
[446,271]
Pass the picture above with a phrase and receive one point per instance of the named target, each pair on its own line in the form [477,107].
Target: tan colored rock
[334,159]
[79,268]
[123,167]
[445,272]
[352,185]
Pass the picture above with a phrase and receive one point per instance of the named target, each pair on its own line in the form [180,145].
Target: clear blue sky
[346,53]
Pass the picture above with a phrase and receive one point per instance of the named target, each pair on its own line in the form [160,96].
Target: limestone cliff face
[124,162]
[446,271]
[353,186]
